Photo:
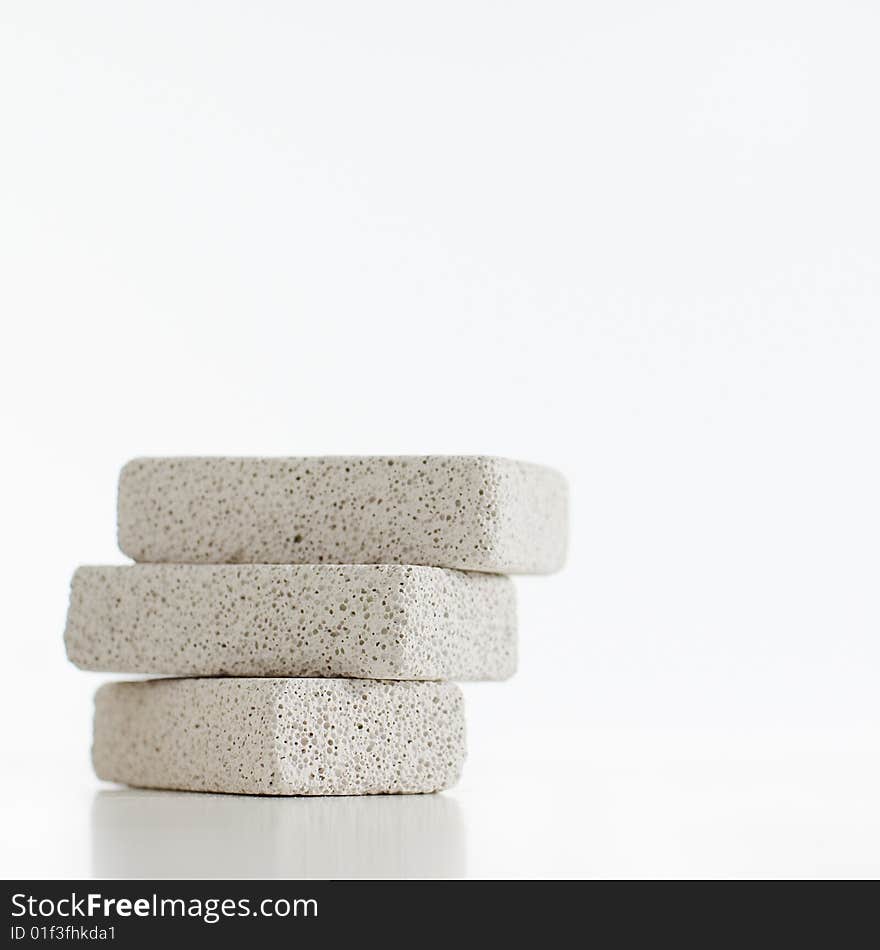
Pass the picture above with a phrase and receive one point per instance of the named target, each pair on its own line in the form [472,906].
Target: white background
[639,242]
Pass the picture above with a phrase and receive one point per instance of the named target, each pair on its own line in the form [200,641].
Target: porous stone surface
[371,621]
[280,736]
[468,512]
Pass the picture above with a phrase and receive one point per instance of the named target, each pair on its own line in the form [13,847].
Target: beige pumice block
[370,621]
[280,736]
[467,512]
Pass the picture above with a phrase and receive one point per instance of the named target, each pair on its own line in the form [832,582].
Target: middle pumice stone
[384,621]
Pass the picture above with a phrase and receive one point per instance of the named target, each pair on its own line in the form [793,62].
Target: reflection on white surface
[138,833]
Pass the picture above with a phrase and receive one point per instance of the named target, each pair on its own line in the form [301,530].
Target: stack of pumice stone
[309,617]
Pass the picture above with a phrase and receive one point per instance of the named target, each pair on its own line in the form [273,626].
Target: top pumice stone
[471,513]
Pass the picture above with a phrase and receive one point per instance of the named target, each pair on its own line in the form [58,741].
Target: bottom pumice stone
[270,736]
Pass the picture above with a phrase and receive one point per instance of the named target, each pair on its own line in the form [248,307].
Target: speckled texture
[280,736]
[468,512]
[371,621]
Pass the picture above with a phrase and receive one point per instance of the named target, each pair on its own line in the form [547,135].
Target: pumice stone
[468,512]
[383,621]
[280,736]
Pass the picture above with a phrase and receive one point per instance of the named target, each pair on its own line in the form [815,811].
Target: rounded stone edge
[268,692]
[502,553]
